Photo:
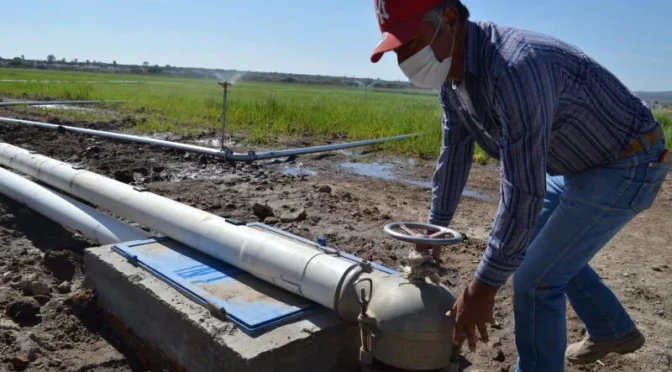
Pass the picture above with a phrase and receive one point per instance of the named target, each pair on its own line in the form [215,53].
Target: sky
[631,38]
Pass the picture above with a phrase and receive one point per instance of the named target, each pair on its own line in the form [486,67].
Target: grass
[263,111]
[664,117]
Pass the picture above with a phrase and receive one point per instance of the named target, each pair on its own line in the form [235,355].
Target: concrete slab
[189,336]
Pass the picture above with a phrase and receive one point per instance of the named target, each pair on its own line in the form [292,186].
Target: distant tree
[23,58]
[155,69]
[114,63]
[75,60]
[88,62]
[16,62]
[51,59]
[63,60]
[145,64]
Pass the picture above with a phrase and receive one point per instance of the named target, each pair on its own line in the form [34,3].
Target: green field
[263,112]
[665,119]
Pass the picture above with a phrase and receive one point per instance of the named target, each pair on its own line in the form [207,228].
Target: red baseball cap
[399,20]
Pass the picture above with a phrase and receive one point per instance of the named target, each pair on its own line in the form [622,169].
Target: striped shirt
[539,106]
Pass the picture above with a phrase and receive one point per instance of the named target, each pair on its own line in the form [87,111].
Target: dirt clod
[35,287]
[25,312]
[262,211]
[82,302]
[296,216]
[62,264]
[64,287]
[124,175]
[19,363]
[271,220]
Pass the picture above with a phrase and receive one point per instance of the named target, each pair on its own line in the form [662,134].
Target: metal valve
[365,324]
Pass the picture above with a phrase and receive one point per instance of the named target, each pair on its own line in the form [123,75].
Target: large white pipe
[68,212]
[291,265]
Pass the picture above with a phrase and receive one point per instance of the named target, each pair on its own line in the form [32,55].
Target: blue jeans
[581,213]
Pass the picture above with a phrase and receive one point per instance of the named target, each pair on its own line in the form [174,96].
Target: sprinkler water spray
[366,86]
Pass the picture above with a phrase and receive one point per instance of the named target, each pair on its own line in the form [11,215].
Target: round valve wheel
[422,233]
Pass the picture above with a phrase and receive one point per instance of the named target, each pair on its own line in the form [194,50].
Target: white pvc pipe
[291,265]
[68,212]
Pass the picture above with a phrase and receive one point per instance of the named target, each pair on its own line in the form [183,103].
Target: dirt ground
[49,323]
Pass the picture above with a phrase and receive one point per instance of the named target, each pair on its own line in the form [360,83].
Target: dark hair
[435,13]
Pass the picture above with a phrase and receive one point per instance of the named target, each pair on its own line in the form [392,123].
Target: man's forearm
[449,181]
[452,167]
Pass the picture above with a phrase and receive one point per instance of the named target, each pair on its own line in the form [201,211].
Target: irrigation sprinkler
[366,86]
[225,85]
[225,154]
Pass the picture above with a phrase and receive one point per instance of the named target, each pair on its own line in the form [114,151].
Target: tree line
[54,63]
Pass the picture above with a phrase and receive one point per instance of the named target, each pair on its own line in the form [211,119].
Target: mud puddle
[383,171]
[298,170]
[67,108]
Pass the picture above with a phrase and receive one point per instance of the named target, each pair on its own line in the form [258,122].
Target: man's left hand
[472,310]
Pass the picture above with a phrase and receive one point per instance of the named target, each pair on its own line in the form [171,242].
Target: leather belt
[651,137]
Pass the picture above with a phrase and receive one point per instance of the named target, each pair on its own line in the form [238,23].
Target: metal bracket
[140,188]
[366,266]
[133,260]
[77,167]
[365,322]
[216,311]
[235,221]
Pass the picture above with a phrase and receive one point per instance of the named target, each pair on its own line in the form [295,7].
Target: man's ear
[452,18]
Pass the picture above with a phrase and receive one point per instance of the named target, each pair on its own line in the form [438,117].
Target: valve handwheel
[423,233]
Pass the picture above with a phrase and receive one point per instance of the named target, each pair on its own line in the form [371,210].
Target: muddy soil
[49,323]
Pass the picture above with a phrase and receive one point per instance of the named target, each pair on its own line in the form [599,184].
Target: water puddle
[211,142]
[67,108]
[385,171]
[297,170]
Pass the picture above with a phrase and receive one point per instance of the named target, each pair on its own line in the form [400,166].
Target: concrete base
[189,336]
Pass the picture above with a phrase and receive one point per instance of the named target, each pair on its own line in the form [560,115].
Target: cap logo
[381,12]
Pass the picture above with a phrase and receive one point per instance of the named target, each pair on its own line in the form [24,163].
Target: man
[580,157]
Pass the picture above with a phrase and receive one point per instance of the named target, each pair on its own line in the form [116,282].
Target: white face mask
[424,70]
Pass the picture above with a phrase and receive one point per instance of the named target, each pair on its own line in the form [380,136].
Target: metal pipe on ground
[407,316]
[225,154]
[70,213]
[40,103]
